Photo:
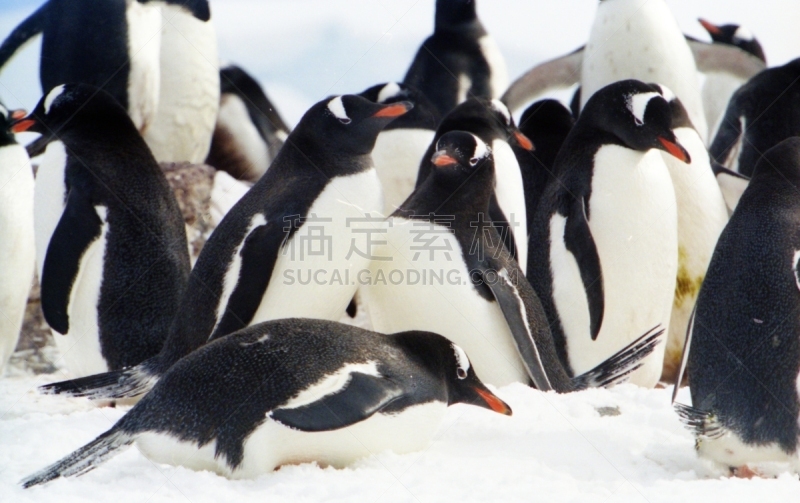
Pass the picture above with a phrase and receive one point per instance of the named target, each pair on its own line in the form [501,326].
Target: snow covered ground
[554,448]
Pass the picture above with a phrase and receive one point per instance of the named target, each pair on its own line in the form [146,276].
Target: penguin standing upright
[401,146]
[702,214]
[291,246]
[249,131]
[110,238]
[189,89]
[459,61]
[443,267]
[17,243]
[292,391]
[743,351]
[606,257]
[114,45]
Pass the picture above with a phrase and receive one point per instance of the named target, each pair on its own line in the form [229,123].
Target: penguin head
[459,154]
[7,119]
[424,115]
[637,114]
[546,118]
[736,35]
[198,8]
[488,119]
[680,117]
[454,13]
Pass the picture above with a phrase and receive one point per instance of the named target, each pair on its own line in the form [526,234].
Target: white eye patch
[461,360]
[743,33]
[637,104]
[667,93]
[481,150]
[336,107]
[51,97]
[500,107]
[390,90]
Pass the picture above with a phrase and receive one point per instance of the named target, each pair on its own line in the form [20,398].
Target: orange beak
[493,402]
[393,110]
[675,150]
[710,27]
[18,114]
[441,159]
[524,141]
[23,125]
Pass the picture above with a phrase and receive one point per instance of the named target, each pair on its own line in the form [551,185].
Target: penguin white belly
[324,252]
[511,195]
[730,451]
[717,91]
[50,192]
[702,215]
[640,39]
[633,220]
[272,444]
[17,244]
[498,79]
[396,156]
[417,291]
[234,118]
[225,193]
[189,89]
[144,48]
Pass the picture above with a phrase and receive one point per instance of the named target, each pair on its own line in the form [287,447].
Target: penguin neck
[461,203]
[309,159]
[197,8]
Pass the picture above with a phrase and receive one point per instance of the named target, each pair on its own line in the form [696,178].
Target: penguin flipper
[79,226]
[725,58]
[556,73]
[701,423]
[731,184]
[125,383]
[30,27]
[580,243]
[724,149]
[362,396]
[685,354]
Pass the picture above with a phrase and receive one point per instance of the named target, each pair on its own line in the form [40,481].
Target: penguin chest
[144,46]
[421,282]
[731,451]
[498,72]
[397,155]
[511,196]
[50,191]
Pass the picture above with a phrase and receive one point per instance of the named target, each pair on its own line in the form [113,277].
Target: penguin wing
[360,398]
[26,30]
[579,241]
[685,355]
[80,225]
[727,143]
[725,58]
[556,73]
[731,184]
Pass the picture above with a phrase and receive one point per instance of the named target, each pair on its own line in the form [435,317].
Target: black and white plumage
[731,183]
[17,242]
[110,238]
[304,217]
[743,352]
[761,114]
[249,131]
[401,146]
[604,224]
[481,300]
[292,391]
[459,61]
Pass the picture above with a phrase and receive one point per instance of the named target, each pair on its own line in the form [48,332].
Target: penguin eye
[461,373]
[345,120]
[473,161]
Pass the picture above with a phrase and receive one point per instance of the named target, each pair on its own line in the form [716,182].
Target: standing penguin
[719,87]
[114,45]
[110,238]
[17,243]
[606,257]
[462,282]
[761,114]
[189,89]
[292,391]
[459,61]
[290,247]
[743,351]
[249,131]
[491,121]
[402,145]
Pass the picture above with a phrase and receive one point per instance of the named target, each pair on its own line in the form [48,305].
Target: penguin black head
[637,114]
[424,115]
[546,118]
[488,119]
[453,13]
[7,119]
[733,34]
[680,117]
[198,8]
[781,164]
[459,154]
[347,123]
[449,361]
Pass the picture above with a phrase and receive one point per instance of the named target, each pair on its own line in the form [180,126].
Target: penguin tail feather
[700,422]
[30,27]
[83,460]
[126,383]
[619,366]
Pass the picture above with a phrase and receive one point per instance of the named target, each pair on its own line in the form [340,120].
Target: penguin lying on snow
[606,227]
[481,301]
[743,349]
[17,243]
[292,391]
[110,238]
[305,217]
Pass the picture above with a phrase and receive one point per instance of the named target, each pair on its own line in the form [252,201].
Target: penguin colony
[650,234]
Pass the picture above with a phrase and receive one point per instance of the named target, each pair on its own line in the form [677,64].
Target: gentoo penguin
[442,267]
[292,391]
[17,244]
[110,239]
[546,123]
[719,87]
[606,259]
[702,214]
[189,89]
[291,246]
[112,44]
[743,351]
[401,146]
[249,131]
[459,61]
[636,39]
[761,114]
[491,121]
